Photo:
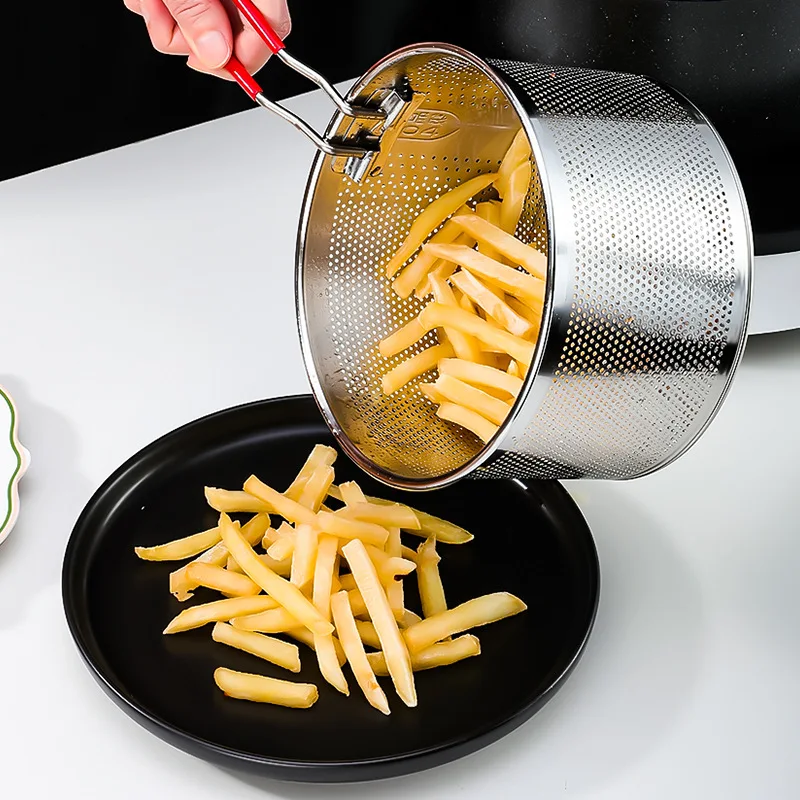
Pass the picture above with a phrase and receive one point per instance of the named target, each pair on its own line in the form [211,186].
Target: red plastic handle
[243,77]
[251,13]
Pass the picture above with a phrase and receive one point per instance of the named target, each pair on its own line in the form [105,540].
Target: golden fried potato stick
[481,375]
[492,302]
[518,153]
[321,456]
[336,524]
[418,269]
[354,650]
[327,657]
[444,531]
[233,502]
[433,216]
[463,394]
[287,594]
[402,338]
[275,620]
[431,590]
[278,503]
[396,565]
[441,269]
[304,636]
[278,652]
[382,616]
[283,546]
[436,315]
[489,234]
[437,655]
[397,516]
[180,548]
[514,199]
[533,315]
[415,366]
[253,530]
[231,584]
[480,611]
[487,212]
[518,284]
[316,488]
[463,342]
[349,493]
[283,568]
[304,557]
[219,611]
[466,418]
[261,689]
[369,636]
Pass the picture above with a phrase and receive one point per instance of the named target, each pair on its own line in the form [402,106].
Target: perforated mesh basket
[636,203]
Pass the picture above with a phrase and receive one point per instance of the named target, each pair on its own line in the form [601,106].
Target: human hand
[209,32]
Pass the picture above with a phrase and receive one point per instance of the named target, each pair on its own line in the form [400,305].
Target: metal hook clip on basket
[634,200]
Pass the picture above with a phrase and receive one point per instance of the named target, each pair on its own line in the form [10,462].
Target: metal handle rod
[253,90]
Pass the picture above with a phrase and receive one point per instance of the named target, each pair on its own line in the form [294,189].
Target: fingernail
[212,49]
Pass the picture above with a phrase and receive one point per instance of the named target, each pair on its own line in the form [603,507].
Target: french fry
[316,488]
[514,369]
[357,604]
[338,525]
[480,611]
[444,531]
[354,650]
[282,568]
[431,590]
[349,493]
[402,338]
[180,548]
[278,503]
[517,153]
[489,234]
[233,502]
[392,642]
[415,366]
[463,394]
[219,611]
[217,555]
[433,216]
[275,620]
[489,212]
[408,619]
[514,198]
[287,594]
[305,555]
[441,269]
[368,634]
[492,302]
[321,595]
[418,269]
[283,546]
[436,315]
[283,654]
[463,342]
[468,419]
[261,689]
[231,584]
[320,456]
[397,516]
[519,284]
[533,315]
[304,636]
[396,565]
[437,655]
[481,375]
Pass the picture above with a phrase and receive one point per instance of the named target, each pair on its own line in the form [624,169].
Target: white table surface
[131,283]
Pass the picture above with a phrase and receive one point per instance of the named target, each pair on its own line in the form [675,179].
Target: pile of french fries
[329,579]
[485,310]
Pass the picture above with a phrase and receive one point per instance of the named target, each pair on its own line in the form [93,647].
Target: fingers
[164,32]
[206,28]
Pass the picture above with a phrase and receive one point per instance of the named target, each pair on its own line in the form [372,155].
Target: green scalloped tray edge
[10,483]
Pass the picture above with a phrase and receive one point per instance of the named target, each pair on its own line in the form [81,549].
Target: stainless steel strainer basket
[637,205]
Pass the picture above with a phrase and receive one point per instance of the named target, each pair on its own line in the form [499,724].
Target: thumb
[206,27]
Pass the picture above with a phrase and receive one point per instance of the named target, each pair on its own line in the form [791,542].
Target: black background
[82,78]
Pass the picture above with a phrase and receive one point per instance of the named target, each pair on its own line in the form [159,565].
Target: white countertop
[148,286]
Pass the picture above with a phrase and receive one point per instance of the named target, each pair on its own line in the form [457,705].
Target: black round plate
[530,539]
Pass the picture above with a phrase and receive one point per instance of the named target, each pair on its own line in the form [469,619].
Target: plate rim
[91,652]
[11,484]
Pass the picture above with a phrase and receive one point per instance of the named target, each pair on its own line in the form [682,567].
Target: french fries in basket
[487,290]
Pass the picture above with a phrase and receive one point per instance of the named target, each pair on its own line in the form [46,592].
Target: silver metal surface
[634,200]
